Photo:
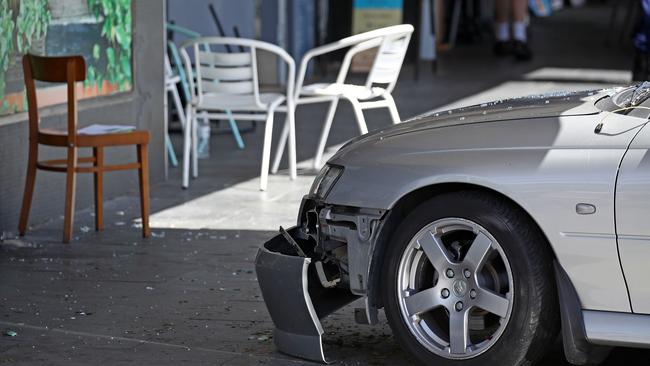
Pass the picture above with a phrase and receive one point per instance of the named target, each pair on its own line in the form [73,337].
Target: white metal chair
[392,43]
[229,82]
[184,83]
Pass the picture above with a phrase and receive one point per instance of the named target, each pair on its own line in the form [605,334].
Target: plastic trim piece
[294,296]
[617,329]
[297,328]
[577,350]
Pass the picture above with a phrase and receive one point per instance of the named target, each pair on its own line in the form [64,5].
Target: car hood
[535,106]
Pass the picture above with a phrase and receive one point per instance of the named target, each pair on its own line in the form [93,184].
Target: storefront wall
[143,107]
[197,17]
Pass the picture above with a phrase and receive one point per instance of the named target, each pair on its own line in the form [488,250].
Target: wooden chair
[71,69]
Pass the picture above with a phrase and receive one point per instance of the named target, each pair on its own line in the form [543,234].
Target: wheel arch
[407,203]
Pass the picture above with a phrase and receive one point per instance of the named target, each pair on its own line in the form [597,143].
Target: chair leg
[170,151]
[325,133]
[358,112]
[98,153]
[179,106]
[235,131]
[392,108]
[266,151]
[71,177]
[30,179]
[187,146]
[195,144]
[282,143]
[143,175]
[293,170]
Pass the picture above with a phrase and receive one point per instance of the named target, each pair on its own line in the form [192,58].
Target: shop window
[100,30]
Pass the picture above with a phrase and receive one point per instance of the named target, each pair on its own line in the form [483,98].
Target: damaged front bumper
[295,303]
[312,270]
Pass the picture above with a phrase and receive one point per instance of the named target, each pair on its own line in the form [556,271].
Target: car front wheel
[469,281]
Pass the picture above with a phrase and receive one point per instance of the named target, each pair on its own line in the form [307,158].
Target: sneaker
[502,48]
[521,51]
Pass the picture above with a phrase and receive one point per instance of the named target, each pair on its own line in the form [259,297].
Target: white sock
[519,31]
[502,31]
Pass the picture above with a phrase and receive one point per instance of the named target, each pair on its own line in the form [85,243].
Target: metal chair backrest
[178,64]
[228,73]
[389,59]
[169,72]
[392,43]
[59,69]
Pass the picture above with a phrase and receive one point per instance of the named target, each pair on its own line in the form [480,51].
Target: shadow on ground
[180,296]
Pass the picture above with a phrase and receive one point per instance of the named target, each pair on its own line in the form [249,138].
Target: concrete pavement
[189,295]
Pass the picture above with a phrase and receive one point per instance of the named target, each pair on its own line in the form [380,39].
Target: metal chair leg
[293,169]
[322,141]
[282,143]
[358,112]
[266,151]
[392,108]
[195,144]
[235,130]
[187,148]
[170,151]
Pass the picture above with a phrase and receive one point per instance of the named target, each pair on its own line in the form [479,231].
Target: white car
[483,233]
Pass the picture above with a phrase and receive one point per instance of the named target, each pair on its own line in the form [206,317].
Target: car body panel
[633,220]
[558,157]
[546,105]
[617,329]
[546,165]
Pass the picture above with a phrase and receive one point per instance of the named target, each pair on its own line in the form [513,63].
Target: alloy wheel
[455,288]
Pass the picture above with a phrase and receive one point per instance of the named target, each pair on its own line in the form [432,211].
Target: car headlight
[325,180]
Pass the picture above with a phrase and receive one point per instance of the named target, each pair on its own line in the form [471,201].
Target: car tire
[532,322]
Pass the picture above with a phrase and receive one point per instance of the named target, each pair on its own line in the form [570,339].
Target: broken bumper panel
[294,297]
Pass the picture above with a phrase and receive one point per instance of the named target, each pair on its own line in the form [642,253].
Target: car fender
[546,166]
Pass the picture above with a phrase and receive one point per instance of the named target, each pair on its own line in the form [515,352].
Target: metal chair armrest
[357,44]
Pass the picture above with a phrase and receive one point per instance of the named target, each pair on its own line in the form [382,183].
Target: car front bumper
[294,298]
[296,294]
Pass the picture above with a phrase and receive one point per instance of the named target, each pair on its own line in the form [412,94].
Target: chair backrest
[169,72]
[223,73]
[227,73]
[178,65]
[59,69]
[392,43]
[182,30]
[389,59]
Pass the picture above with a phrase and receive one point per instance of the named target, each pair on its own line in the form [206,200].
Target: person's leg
[519,9]
[520,44]
[502,27]
[641,68]
[502,11]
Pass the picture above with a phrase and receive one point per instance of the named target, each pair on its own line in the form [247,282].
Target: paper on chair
[104,129]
